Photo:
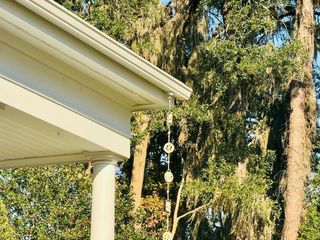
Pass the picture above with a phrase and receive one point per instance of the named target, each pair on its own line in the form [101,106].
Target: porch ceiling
[27,136]
[24,136]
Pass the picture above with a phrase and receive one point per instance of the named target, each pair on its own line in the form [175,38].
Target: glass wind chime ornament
[168,176]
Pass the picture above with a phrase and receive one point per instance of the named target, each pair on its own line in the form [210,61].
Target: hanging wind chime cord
[169,141]
[168,176]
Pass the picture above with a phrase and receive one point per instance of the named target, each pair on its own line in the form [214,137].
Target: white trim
[80,29]
[29,102]
[44,160]
[57,159]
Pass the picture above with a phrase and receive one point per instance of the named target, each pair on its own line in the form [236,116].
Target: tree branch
[176,209]
[177,218]
[193,211]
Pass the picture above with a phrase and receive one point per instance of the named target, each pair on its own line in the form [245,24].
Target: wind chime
[168,176]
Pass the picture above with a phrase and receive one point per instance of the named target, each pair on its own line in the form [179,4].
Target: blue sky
[165,1]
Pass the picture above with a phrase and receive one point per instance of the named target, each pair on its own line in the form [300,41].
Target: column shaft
[103,200]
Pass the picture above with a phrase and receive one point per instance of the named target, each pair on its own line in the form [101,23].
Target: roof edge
[74,25]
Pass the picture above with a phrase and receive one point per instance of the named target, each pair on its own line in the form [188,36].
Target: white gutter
[74,25]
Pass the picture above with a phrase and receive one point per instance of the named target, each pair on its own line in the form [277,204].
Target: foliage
[48,201]
[144,224]
[6,229]
[116,18]
[239,76]
[57,203]
[310,229]
[229,135]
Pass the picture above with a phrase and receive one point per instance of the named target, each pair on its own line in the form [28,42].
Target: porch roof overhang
[67,89]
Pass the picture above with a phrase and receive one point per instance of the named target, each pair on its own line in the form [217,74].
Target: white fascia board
[51,112]
[80,29]
[37,31]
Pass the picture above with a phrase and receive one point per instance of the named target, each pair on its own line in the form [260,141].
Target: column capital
[110,157]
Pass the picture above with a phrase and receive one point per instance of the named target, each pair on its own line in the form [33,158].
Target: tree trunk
[301,126]
[139,161]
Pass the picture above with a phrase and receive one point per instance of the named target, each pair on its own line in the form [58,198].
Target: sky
[165,1]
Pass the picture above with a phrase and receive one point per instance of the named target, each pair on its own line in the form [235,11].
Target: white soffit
[24,135]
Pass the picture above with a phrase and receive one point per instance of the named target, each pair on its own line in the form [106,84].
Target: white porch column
[103,198]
